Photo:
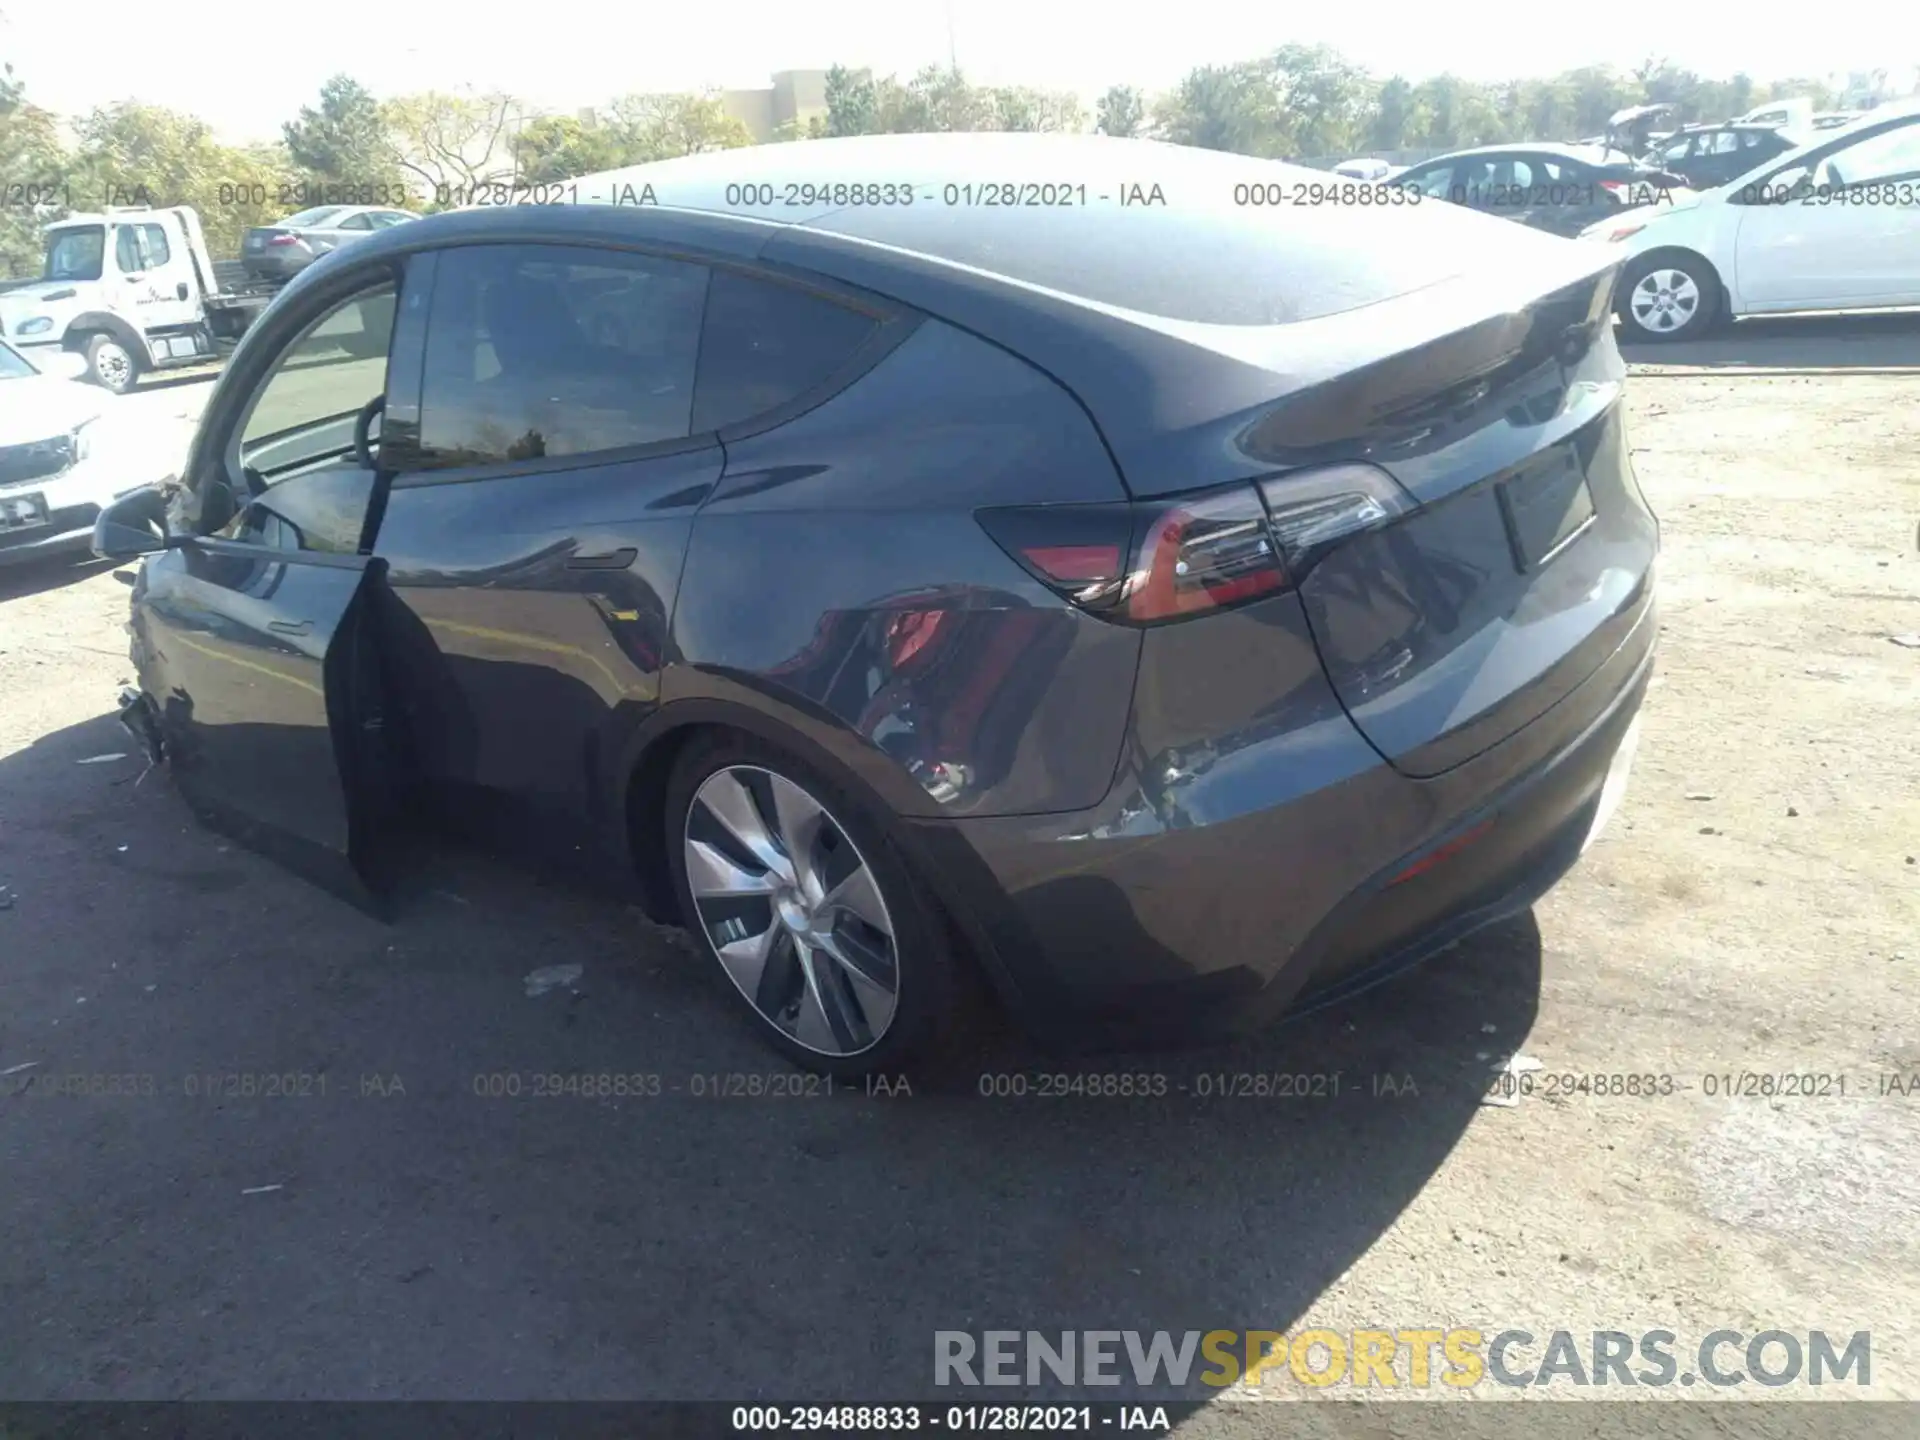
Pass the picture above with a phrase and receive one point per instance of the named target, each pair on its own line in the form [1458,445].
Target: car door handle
[291,627]
[612,560]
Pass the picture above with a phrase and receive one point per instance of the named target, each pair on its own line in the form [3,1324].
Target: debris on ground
[1912,642]
[102,759]
[261,1189]
[1504,1093]
[6,893]
[552,977]
[1698,795]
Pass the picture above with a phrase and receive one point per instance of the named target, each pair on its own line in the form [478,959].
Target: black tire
[1684,324]
[111,365]
[933,1031]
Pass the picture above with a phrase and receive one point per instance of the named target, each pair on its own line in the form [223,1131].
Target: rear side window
[547,350]
[766,343]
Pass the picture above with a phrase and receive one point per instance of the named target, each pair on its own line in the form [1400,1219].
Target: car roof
[340,211]
[930,228]
[1590,154]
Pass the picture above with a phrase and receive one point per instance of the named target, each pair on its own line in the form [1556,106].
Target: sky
[565,54]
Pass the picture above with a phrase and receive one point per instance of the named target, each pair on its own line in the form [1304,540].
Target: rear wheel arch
[657,749]
[658,746]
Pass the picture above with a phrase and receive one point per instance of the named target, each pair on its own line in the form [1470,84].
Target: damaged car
[1152,618]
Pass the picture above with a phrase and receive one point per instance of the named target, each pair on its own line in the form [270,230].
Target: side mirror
[132,526]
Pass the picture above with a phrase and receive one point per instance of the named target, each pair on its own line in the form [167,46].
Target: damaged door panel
[255,632]
[262,684]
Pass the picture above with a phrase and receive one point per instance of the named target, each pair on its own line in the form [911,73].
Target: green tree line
[433,148]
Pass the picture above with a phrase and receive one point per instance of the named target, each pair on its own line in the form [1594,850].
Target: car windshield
[308,219]
[76,254]
[13,365]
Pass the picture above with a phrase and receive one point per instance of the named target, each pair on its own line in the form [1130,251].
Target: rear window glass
[1268,248]
[764,344]
[307,218]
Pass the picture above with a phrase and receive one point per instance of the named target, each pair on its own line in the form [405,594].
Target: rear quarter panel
[838,572]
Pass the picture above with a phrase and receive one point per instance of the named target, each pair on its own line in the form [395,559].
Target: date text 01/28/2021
[958,1419]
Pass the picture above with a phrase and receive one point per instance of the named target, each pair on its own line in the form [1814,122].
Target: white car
[1833,225]
[67,450]
[1368,169]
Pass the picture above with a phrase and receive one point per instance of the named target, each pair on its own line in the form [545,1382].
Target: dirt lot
[1755,909]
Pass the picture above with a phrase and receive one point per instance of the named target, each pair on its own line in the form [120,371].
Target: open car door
[256,637]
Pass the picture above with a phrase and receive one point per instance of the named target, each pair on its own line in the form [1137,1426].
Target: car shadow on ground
[1879,342]
[36,577]
[425,1204]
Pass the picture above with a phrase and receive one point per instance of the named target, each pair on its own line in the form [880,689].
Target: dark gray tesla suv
[1117,574]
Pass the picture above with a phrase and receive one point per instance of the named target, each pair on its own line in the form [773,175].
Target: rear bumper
[1182,931]
[276,267]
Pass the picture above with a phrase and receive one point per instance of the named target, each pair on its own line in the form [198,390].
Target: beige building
[795,96]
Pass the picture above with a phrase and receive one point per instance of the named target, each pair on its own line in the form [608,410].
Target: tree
[1392,112]
[852,102]
[560,147]
[1020,108]
[31,158]
[813,128]
[1322,97]
[173,159]
[343,139]
[661,127]
[1224,107]
[1121,112]
[452,145]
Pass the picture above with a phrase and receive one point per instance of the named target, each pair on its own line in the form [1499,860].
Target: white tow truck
[132,289]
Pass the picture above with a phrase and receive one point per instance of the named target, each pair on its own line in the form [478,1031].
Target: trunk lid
[1528,560]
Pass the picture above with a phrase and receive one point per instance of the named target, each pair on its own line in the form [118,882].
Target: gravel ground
[1752,910]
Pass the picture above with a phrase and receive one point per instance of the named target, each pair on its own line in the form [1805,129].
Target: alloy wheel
[792,910]
[1665,301]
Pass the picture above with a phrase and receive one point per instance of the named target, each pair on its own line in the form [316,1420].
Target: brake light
[1313,510]
[1153,562]
[284,240]
[1204,554]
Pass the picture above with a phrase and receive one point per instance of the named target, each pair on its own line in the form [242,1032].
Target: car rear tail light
[1204,554]
[284,240]
[1156,561]
[1314,510]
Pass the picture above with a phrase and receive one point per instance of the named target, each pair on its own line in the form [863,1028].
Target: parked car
[1709,155]
[1631,131]
[1367,169]
[285,248]
[65,455]
[1796,114]
[1833,225]
[1173,610]
[1559,188]
[1833,119]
